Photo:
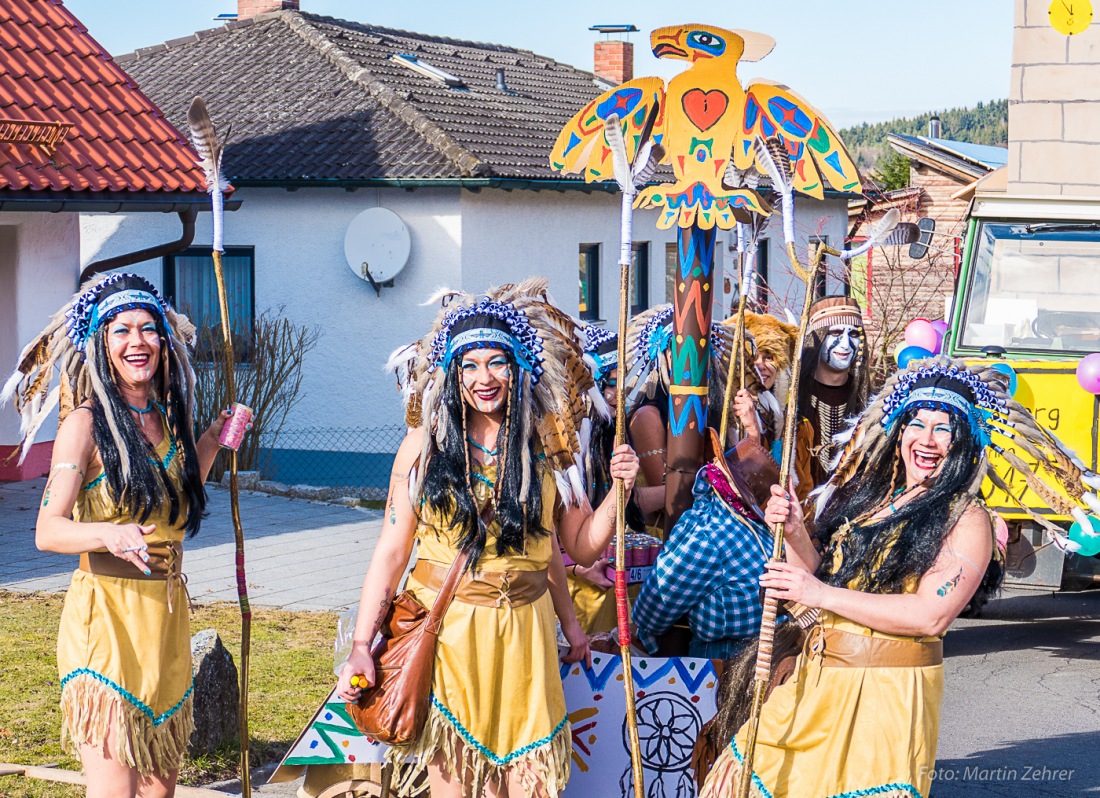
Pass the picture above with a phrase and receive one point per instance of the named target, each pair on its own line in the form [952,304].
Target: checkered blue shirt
[709,569]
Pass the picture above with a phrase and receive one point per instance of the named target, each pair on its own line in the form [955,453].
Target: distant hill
[986,123]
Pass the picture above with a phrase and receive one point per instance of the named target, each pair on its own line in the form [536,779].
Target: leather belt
[165,564]
[486,588]
[840,649]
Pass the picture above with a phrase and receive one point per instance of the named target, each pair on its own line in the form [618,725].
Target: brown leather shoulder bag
[395,708]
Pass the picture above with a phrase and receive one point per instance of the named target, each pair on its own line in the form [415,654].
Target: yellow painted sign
[1050,391]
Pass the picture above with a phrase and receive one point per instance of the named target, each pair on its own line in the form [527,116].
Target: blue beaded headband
[89,311]
[521,338]
[986,404]
[594,339]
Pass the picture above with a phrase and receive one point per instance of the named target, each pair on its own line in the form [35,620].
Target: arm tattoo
[393,510]
[383,606]
[46,495]
[950,584]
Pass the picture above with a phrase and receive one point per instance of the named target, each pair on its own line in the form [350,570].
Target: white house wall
[459,239]
[38,273]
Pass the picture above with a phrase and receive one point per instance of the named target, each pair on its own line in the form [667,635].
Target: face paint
[924,444]
[841,347]
[133,345]
[486,379]
[611,387]
[765,367]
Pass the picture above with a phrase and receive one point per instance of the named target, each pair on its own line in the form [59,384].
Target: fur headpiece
[776,339]
[63,346]
[554,380]
[979,395]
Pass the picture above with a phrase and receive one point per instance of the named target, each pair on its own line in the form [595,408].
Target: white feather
[10,387]
[1092,480]
[439,295]
[1092,501]
[619,163]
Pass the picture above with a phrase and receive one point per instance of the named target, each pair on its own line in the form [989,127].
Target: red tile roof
[51,70]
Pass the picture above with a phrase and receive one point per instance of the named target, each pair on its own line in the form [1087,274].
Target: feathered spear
[205,139]
[629,177]
[773,159]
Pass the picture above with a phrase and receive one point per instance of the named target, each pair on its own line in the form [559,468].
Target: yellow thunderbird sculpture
[706,123]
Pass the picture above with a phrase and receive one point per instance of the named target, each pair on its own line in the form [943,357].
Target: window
[190,285]
[672,271]
[819,278]
[589,281]
[639,277]
[760,279]
[1033,287]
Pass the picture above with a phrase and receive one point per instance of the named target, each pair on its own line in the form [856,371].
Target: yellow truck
[1028,294]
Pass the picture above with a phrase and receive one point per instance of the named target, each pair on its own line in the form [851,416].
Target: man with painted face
[833,385]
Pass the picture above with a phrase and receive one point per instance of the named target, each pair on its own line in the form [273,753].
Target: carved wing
[815,149]
[582,145]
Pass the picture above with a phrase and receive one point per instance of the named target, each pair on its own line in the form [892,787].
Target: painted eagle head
[700,42]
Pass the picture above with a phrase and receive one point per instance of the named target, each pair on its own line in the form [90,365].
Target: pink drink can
[233,432]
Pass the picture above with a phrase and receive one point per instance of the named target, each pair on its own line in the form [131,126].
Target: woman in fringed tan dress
[909,542]
[494,397]
[125,488]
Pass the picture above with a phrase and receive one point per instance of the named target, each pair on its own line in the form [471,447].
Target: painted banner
[674,698]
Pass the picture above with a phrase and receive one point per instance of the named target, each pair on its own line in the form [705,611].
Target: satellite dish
[376,246]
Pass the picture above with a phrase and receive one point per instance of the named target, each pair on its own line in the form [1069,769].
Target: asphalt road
[1021,708]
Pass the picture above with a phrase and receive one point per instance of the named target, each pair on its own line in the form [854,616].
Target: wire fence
[355,460]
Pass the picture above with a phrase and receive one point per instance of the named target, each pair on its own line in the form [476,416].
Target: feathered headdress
[62,348]
[649,360]
[979,395]
[555,383]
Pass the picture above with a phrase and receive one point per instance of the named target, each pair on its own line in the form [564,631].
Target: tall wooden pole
[687,400]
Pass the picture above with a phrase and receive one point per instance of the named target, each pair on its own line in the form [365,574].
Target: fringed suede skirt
[125,665]
[860,720]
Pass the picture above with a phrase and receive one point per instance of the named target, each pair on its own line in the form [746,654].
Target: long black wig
[448,477]
[146,486]
[883,556]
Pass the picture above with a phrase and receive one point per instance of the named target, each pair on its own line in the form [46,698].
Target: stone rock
[270,486]
[216,696]
[309,492]
[248,480]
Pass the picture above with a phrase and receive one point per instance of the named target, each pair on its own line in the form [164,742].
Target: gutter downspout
[187,219]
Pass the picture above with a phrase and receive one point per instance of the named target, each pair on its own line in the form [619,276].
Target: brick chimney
[614,58]
[614,61]
[1053,107]
[250,8]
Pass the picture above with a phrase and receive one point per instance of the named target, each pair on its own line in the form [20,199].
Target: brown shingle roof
[317,98]
[117,140]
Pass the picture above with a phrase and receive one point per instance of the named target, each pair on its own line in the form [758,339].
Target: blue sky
[856,60]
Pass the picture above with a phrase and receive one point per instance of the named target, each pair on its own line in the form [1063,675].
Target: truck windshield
[1034,287]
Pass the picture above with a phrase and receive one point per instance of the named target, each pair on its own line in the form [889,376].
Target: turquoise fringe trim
[868,791]
[485,752]
[173,450]
[133,699]
[484,479]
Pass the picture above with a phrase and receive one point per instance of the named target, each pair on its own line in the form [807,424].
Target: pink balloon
[920,332]
[1088,373]
[1002,533]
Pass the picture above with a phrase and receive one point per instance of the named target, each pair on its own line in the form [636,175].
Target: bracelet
[650,453]
[355,643]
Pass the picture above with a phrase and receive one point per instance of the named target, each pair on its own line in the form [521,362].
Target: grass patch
[290,674]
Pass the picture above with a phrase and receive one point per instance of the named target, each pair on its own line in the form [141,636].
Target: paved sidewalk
[299,554]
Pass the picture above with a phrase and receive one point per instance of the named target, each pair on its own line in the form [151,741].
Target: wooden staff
[209,149]
[771,603]
[625,177]
[738,344]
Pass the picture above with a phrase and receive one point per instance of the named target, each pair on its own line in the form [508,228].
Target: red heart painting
[704,108]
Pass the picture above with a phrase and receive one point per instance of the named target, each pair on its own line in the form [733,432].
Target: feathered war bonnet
[977,395]
[64,346]
[649,360]
[555,385]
